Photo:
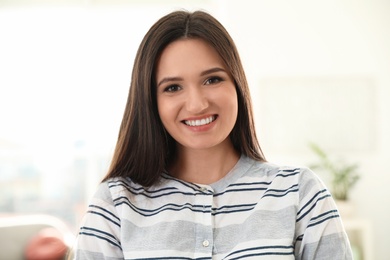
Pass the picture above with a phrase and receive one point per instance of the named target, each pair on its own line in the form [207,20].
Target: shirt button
[206,243]
[203,189]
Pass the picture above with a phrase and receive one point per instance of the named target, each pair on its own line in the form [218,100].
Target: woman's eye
[213,80]
[172,88]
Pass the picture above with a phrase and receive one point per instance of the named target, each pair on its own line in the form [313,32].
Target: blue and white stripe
[257,211]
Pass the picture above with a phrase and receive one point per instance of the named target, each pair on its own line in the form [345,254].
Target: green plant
[343,177]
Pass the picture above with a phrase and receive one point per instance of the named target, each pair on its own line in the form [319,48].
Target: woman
[188,179]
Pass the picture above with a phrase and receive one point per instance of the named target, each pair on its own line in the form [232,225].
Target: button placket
[206,235]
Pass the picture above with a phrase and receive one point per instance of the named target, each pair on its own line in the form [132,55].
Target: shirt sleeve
[99,233]
[319,233]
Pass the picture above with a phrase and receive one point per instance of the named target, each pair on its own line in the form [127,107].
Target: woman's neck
[204,166]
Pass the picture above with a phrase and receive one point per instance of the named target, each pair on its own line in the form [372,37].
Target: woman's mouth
[200,122]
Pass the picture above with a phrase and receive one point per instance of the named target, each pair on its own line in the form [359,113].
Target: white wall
[65,74]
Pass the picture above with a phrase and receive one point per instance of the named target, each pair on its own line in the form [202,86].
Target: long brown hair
[144,148]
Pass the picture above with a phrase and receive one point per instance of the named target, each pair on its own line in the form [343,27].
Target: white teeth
[204,121]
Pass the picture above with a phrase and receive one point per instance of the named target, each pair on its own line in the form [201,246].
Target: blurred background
[319,72]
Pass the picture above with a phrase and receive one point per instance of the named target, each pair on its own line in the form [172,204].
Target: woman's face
[196,95]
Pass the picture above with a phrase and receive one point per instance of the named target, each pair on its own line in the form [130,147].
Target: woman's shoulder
[271,168]
[113,188]
[118,188]
[274,170]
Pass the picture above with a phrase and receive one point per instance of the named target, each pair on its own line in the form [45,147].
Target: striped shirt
[257,211]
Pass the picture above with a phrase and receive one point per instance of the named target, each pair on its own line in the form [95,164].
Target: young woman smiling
[188,179]
[197,104]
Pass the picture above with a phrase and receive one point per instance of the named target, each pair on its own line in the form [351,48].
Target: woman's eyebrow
[212,70]
[168,79]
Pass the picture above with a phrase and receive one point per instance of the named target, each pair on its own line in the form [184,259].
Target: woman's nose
[196,101]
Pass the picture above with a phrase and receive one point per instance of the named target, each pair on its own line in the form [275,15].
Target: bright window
[65,74]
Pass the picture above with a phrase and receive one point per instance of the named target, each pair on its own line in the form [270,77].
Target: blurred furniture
[33,237]
[360,235]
